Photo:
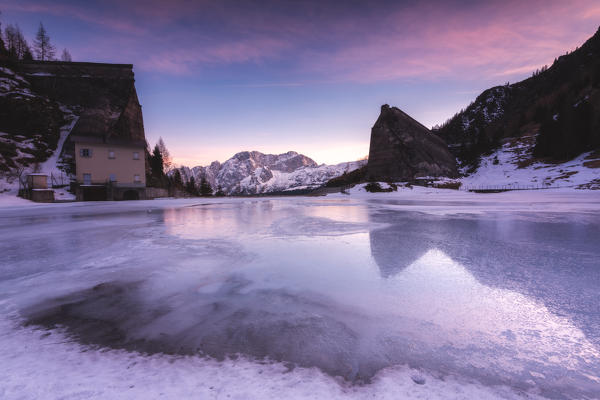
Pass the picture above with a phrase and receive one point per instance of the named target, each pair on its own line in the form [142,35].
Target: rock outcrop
[102,95]
[402,149]
[39,99]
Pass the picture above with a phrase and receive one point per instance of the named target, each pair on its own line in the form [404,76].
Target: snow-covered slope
[254,172]
[513,166]
[33,130]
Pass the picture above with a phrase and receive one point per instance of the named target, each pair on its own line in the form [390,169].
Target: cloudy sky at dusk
[218,77]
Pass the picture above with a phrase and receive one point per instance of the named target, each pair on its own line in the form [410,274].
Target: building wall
[100,166]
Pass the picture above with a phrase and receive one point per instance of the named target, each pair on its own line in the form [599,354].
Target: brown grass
[448,185]
[525,162]
[566,175]
[592,164]
[593,155]
[594,185]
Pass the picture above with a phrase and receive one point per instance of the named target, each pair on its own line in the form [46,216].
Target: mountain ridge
[547,103]
[254,172]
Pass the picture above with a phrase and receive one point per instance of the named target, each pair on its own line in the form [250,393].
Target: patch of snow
[6,71]
[41,74]
[50,167]
[457,202]
[73,371]
[506,172]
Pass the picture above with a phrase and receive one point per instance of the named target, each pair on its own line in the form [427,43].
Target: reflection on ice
[350,289]
[439,291]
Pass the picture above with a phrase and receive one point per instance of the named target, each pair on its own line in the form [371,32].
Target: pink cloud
[437,43]
[591,13]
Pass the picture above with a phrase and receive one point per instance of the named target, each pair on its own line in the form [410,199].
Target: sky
[216,77]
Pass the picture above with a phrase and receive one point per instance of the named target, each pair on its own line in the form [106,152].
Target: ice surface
[338,297]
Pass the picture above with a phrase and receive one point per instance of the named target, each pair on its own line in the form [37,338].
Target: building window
[112,177]
[111,154]
[136,179]
[136,155]
[85,153]
[87,179]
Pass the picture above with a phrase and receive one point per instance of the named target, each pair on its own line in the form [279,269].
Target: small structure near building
[42,195]
[37,181]
[36,189]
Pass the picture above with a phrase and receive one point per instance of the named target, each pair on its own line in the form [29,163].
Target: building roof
[110,141]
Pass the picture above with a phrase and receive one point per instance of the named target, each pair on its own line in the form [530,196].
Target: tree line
[161,173]
[14,45]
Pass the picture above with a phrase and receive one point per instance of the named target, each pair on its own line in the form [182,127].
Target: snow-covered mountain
[252,172]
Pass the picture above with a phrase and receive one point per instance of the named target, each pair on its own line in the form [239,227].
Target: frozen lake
[379,297]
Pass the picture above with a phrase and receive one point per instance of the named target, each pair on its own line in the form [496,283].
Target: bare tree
[66,56]
[10,33]
[166,156]
[16,44]
[2,45]
[43,48]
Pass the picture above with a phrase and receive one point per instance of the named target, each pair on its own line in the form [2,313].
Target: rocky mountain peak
[251,172]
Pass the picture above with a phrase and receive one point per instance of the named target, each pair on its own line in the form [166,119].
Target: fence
[59,180]
[24,191]
[506,188]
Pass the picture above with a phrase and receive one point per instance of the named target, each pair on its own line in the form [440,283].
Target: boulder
[402,149]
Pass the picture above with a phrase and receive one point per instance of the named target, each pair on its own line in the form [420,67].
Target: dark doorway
[93,193]
[131,195]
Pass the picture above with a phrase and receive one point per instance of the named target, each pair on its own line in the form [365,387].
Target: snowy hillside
[30,145]
[513,165]
[254,172]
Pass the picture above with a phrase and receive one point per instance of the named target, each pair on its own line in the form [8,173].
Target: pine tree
[27,56]
[177,180]
[43,48]
[220,192]
[205,188]
[66,56]
[156,164]
[191,188]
